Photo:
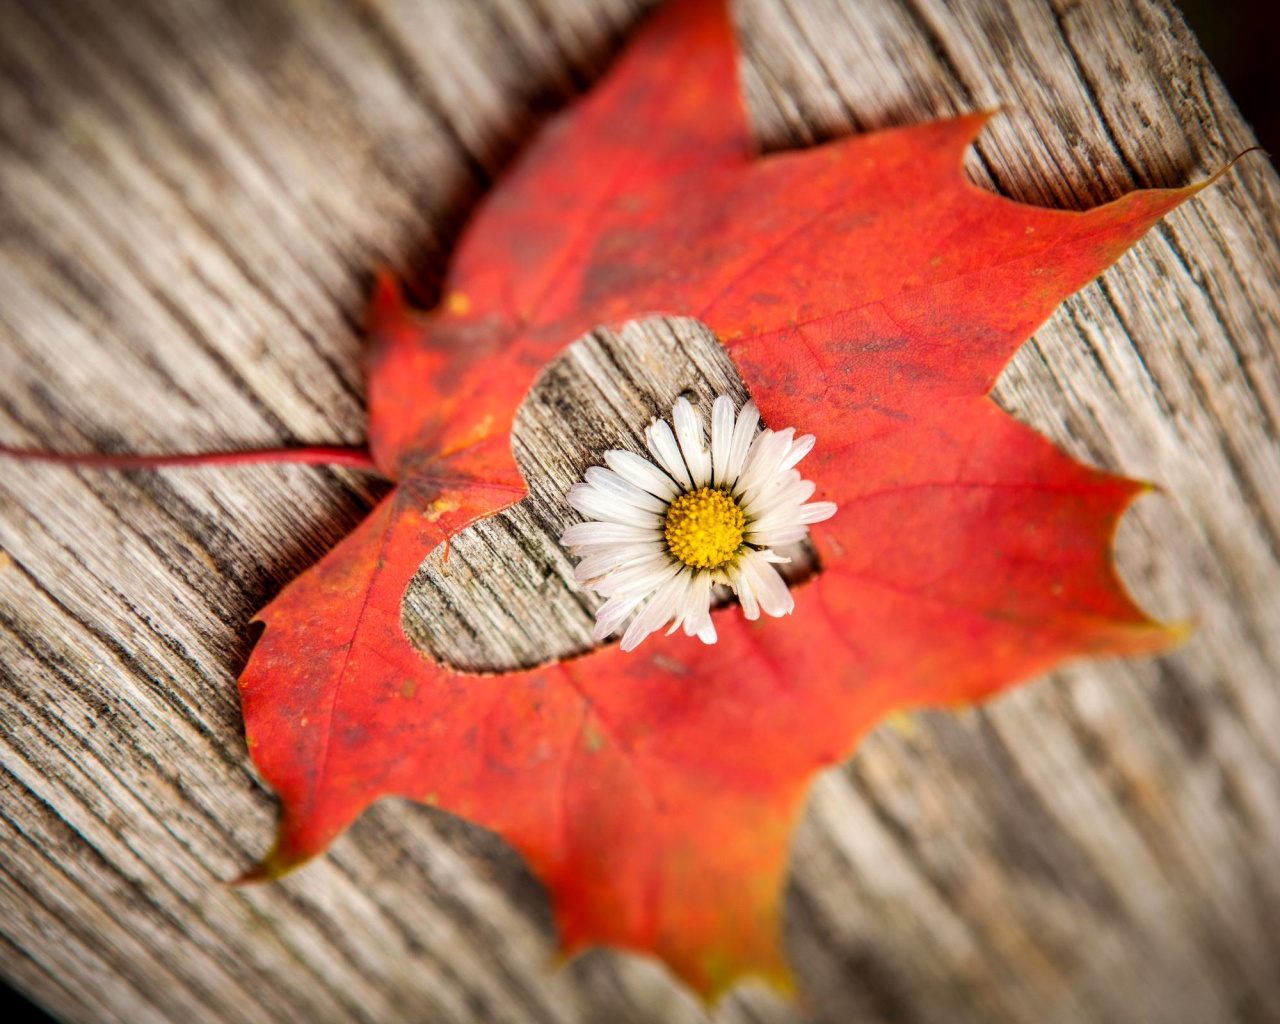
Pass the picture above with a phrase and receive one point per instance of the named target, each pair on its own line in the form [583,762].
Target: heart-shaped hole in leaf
[500,595]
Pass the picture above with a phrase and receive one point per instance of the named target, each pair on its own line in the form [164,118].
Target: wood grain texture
[192,195]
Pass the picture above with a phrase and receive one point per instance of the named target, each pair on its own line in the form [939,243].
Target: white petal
[762,461]
[637,580]
[800,447]
[689,432]
[656,613]
[769,588]
[611,615]
[784,494]
[780,518]
[699,623]
[594,535]
[744,432]
[681,601]
[606,481]
[695,604]
[817,511]
[615,558]
[642,473]
[742,587]
[598,505]
[663,445]
[721,438]
[776,536]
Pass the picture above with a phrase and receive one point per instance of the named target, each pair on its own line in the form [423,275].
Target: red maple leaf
[869,295]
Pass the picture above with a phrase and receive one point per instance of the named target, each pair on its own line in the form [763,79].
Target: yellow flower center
[704,528]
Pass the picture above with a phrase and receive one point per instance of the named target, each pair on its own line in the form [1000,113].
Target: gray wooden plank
[193,196]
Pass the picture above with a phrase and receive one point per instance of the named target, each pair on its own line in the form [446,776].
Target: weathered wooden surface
[192,193]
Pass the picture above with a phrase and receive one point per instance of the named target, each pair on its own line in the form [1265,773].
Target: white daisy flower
[663,533]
